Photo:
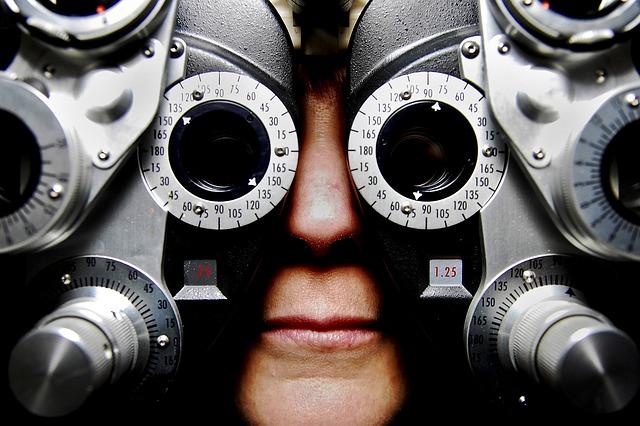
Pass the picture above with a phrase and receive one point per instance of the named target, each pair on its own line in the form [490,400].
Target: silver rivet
[406,209]
[198,209]
[528,276]
[103,155]
[539,154]
[280,151]
[176,50]
[197,95]
[470,49]
[148,51]
[56,191]
[49,71]
[405,95]
[527,2]
[488,151]
[601,76]
[163,340]
[504,47]
[66,279]
[632,100]
[522,400]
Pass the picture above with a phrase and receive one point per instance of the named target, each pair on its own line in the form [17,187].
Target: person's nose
[323,207]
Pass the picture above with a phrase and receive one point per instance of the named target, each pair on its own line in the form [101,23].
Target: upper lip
[320,324]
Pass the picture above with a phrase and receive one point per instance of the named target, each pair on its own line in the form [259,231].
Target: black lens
[581,9]
[219,150]
[20,163]
[78,7]
[427,147]
[621,174]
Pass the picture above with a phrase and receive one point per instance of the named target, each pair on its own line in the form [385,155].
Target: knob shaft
[576,350]
[54,368]
[80,347]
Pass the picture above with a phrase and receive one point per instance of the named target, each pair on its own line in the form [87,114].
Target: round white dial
[222,152]
[423,151]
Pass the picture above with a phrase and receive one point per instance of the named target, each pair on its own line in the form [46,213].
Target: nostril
[322,225]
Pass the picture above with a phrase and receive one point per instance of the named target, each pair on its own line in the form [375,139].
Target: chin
[366,387]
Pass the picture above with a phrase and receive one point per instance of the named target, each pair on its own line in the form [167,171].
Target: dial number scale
[491,307]
[262,192]
[96,277]
[604,174]
[42,180]
[440,92]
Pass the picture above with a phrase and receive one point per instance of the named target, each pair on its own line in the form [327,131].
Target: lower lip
[325,340]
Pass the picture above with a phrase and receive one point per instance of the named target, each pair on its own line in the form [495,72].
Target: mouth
[324,335]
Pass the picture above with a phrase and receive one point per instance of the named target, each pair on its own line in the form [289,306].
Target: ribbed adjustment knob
[81,346]
[54,368]
[576,350]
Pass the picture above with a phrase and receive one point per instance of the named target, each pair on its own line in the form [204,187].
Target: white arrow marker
[417,195]
[186,120]
[436,107]
[252,182]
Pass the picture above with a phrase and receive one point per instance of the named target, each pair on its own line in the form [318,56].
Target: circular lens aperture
[620,173]
[583,9]
[427,148]
[423,151]
[222,153]
[599,197]
[78,7]
[584,25]
[20,164]
[219,150]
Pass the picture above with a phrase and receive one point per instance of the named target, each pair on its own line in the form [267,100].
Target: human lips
[330,309]
[325,335]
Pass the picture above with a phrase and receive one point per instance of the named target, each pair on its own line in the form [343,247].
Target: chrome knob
[80,347]
[576,351]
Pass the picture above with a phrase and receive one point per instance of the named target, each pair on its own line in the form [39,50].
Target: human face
[322,357]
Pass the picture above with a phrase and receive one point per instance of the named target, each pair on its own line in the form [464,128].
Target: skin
[327,372]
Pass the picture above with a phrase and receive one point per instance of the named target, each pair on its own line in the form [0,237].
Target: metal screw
[406,209]
[527,2]
[522,400]
[632,100]
[103,155]
[528,276]
[601,76]
[163,341]
[66,279]
[197,95]
[539,154]
[470,49]
[280,151]
[487,151]
[56,191]
[198,209]
[148,51]
[176,50]
[504,47]
[49,71]
[406,95]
